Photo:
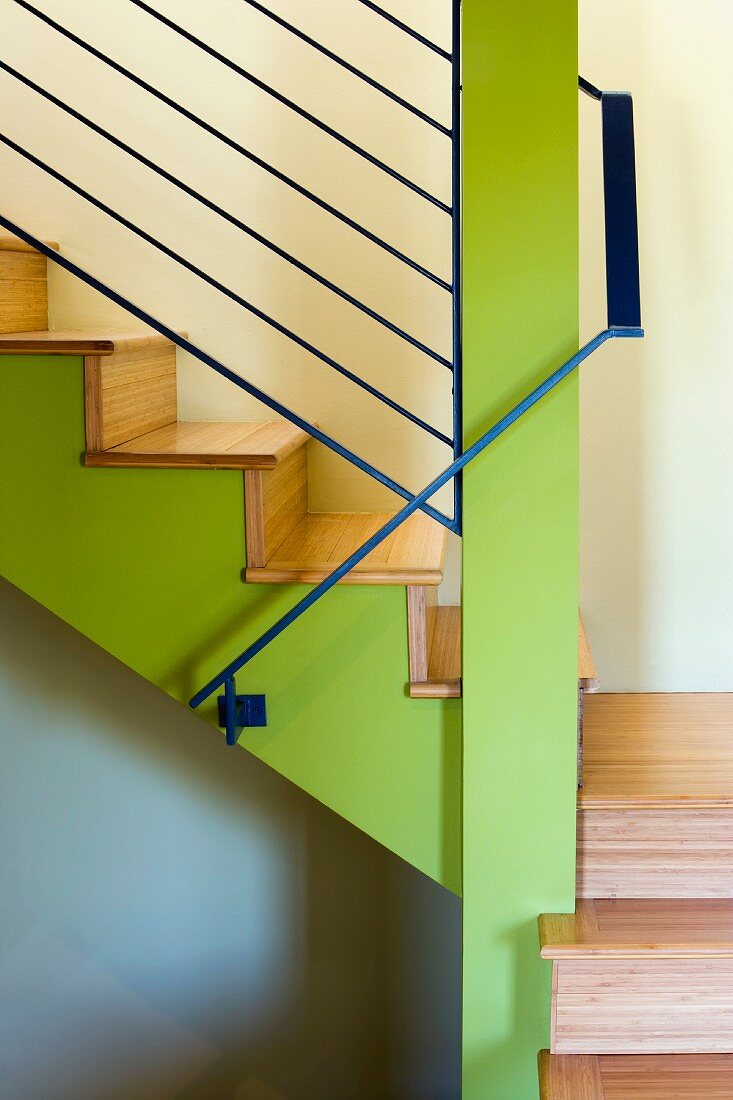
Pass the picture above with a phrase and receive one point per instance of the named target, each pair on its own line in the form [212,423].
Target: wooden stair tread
[77,342]
[636,1077]
[206,445]
[413,554]
[658,751]
[444,660]
[9,243]
[635,928]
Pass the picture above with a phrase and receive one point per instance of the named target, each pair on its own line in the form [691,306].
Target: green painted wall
[148,564]
[520,540]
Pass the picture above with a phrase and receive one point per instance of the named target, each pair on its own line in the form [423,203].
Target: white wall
[270,130]
[180,922]
[657,443]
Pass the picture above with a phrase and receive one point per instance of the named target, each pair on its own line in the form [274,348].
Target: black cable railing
[225,214]
[220,368]
[344,64]
[263,86]
[407,29]
[205,277]
[236,146]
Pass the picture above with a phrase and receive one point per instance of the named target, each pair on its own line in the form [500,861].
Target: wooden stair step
[319,541]
[444,658]
[641,976]
[206,445]
[655,816]
[658,750]
[636,1077]
[79,342]
[626,928]
[8,243]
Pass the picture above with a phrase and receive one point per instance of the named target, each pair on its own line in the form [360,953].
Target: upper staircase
[131,422]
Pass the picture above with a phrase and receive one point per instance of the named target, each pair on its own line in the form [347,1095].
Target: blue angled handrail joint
[624,320]
[263,86]
[225,214]
[226,291]
[219,135]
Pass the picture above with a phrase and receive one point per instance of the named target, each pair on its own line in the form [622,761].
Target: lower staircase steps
[658,750]
[630,1077]
[319,541]
[641,976]
[654,814]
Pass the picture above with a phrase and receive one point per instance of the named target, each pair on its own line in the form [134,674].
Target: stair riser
[638,853]
[23,292]
[655,1006]
[127,394]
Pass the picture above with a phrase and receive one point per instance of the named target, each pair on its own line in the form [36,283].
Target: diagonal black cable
[226,291]
[225,372]
[296,108]
[232,144]
[407,29]
[338,60]
[210,205]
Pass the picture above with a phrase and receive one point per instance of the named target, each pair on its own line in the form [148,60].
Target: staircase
[151,564]
[645,965]
[131,422]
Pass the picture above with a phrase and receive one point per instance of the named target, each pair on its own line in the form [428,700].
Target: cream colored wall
[657,445]
[270,130]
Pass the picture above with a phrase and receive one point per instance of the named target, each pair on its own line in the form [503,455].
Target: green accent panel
[147,563]
[521,527]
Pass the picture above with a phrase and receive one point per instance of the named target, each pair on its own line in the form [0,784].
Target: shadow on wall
[179,921]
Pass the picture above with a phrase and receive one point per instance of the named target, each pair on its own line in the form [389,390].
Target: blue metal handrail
[284,101]
[304,192]
[344,64]
[226,372]
[226,215]
[622,276]
[418,501]
[227,291]
[407,29]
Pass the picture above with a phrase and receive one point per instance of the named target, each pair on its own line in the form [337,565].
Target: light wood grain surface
[206,445]
[413,554]
[640,928]
[276,501]
[668,852]
[434,644]
[43,341]
[23,291]
[658,749]
[14,244]
[632,1077]
[128,394]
